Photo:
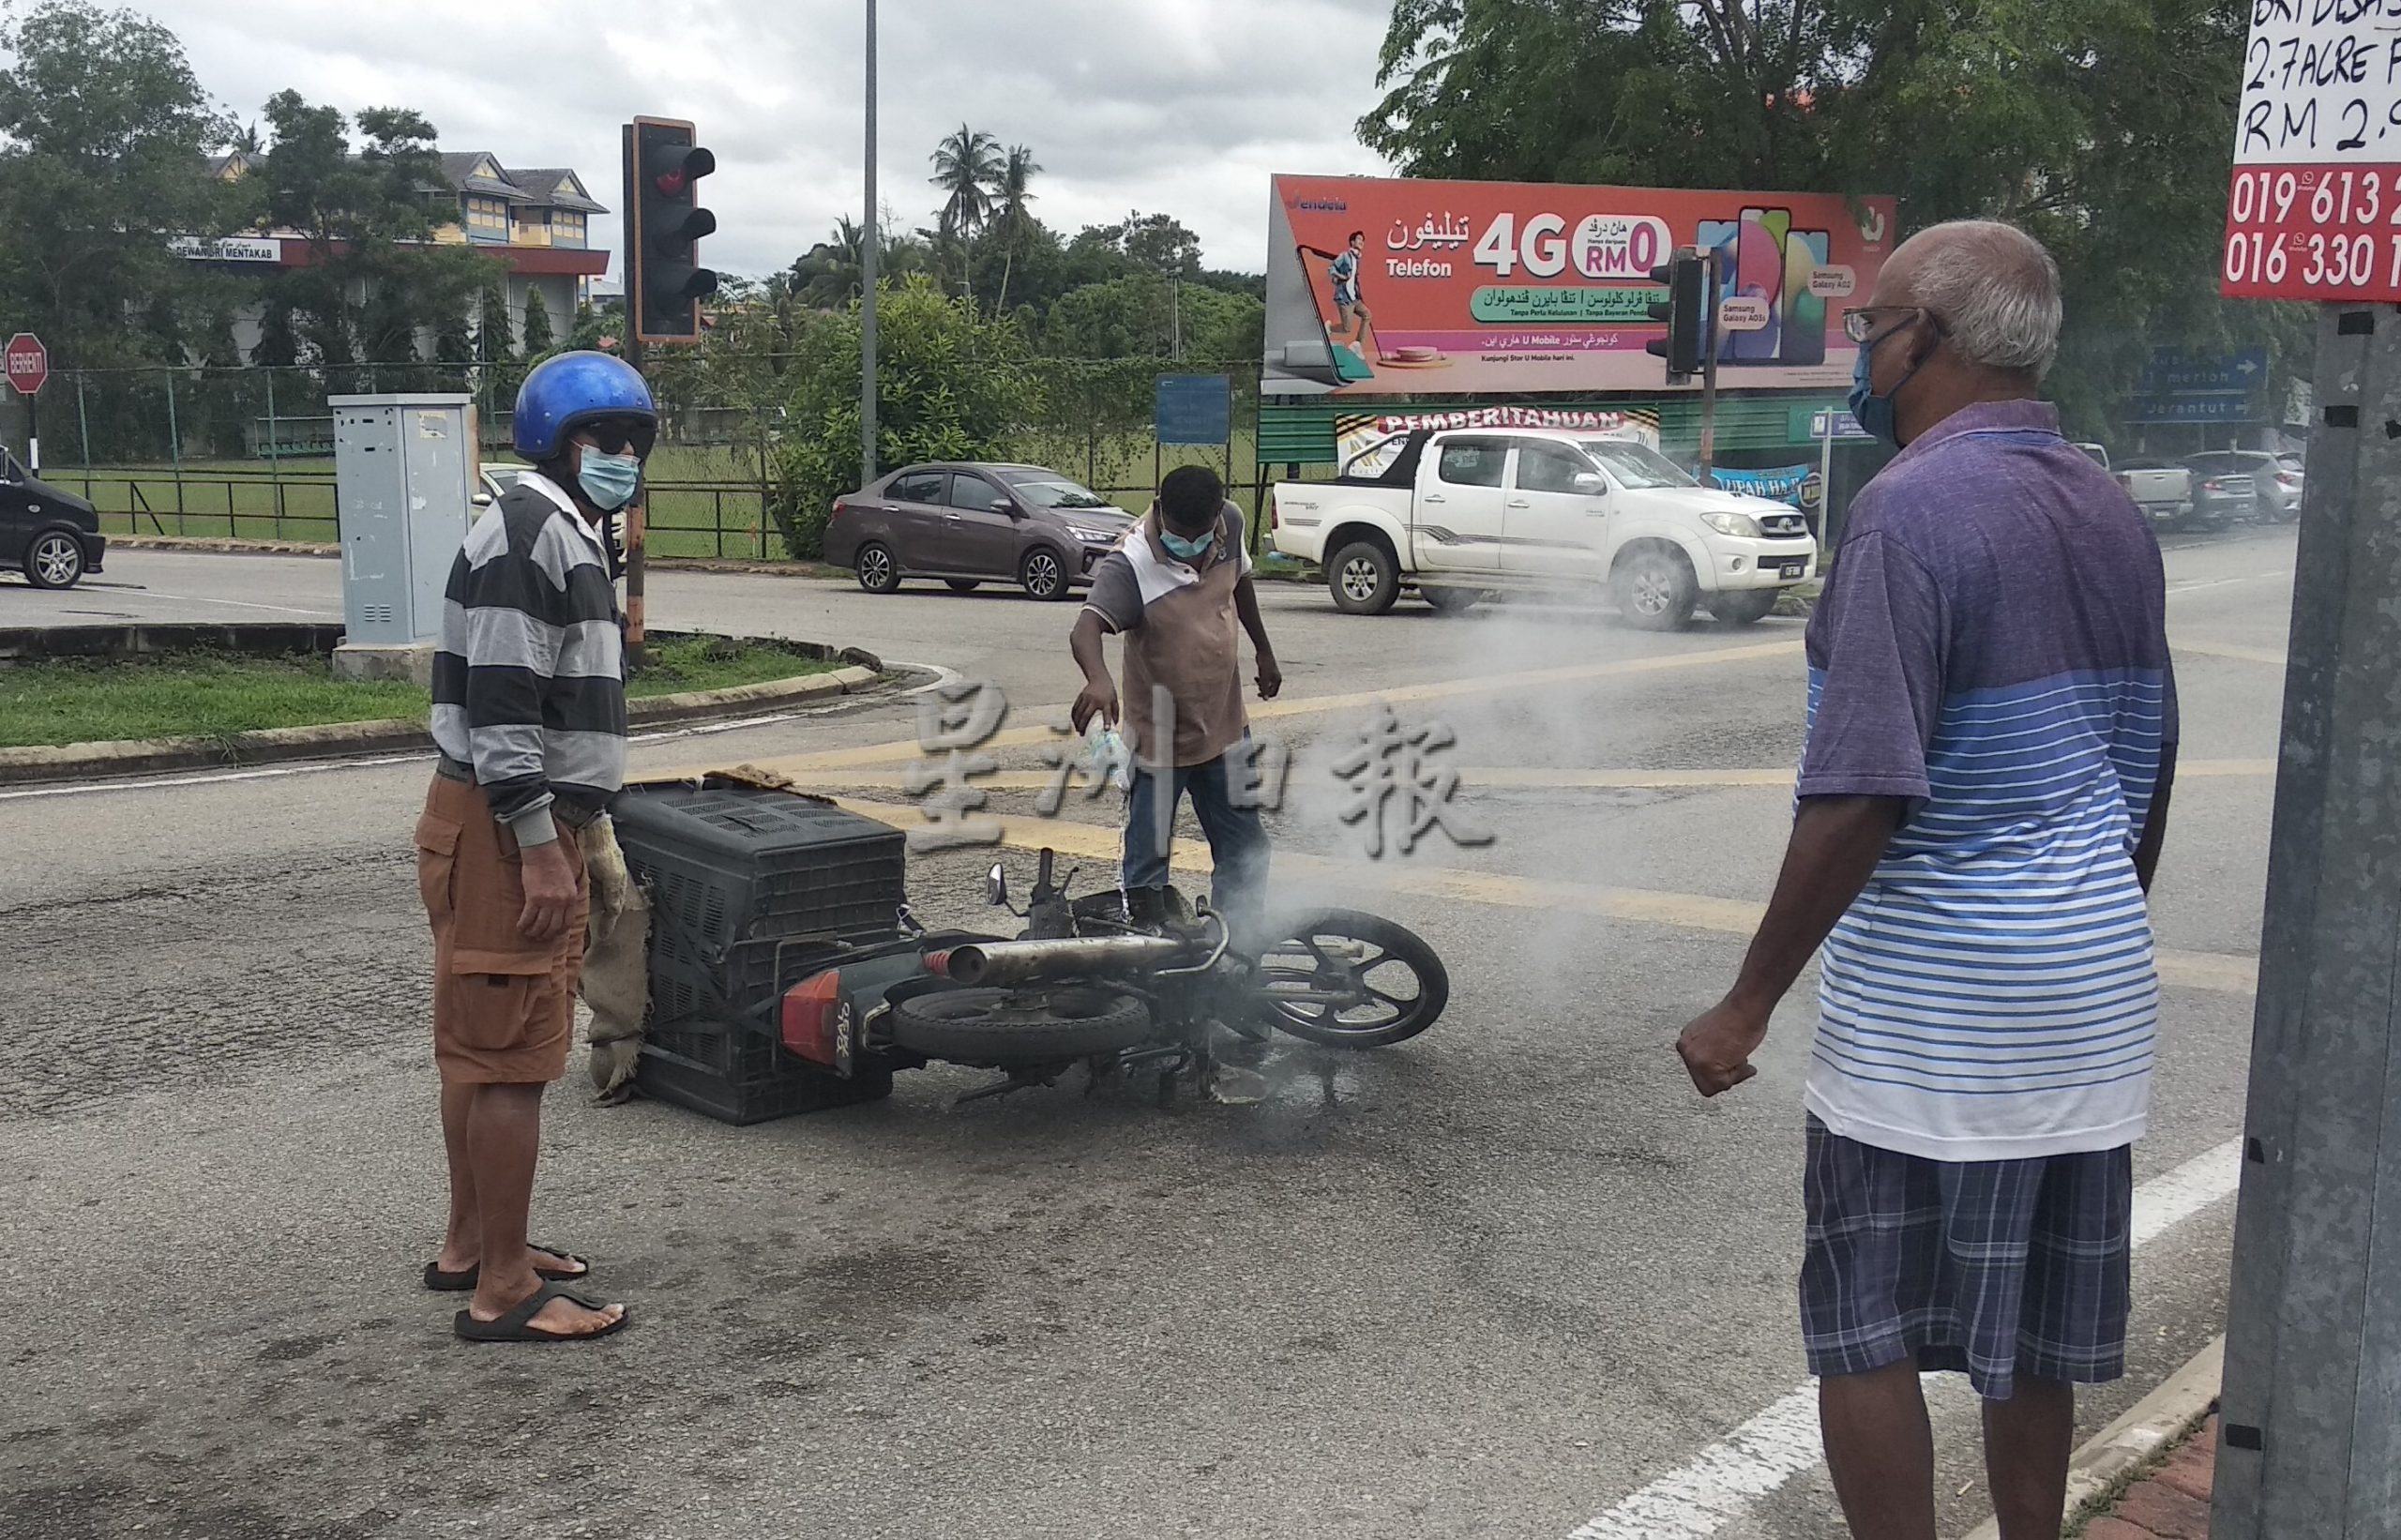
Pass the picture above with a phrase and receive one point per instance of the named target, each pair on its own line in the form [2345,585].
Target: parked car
[972,523]
[2098,454]
[47,533]
[2161,488]
[1463,512]
[493,480]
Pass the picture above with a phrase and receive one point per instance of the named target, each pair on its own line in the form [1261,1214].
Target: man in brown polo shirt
[1174,592]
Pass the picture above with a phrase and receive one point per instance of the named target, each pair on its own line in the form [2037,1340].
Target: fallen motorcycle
[788,973]
[1084,984]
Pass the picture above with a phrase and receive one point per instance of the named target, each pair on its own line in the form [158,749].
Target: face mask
[1874,413]
[1186,550]
[609,481]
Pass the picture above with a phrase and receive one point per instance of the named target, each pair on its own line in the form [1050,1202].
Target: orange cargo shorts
[503,1007]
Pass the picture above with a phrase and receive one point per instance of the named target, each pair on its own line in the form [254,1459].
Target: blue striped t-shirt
[1992,647]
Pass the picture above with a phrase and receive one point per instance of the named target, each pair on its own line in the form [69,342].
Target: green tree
[1013,221]
[496,342]
[103,127]
[967,166]
[951,383]
[2102,127]
[537,324]
[369,218]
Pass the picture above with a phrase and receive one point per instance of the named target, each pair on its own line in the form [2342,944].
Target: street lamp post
[869,241]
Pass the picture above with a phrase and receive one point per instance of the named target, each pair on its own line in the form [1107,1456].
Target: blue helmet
[573,388]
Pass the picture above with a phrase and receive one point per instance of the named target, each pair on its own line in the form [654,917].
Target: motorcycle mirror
[996,886]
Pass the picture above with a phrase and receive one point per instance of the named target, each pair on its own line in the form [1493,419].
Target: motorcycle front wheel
[1349,979]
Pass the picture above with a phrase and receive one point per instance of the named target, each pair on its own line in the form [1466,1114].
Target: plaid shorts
[1993,1268]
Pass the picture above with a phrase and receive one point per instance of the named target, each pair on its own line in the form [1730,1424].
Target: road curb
[212,546]
[2137,1440]
[150,756]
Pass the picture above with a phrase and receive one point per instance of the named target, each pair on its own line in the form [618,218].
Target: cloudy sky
[1185,106]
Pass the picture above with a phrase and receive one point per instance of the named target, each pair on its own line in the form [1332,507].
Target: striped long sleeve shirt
[529,678]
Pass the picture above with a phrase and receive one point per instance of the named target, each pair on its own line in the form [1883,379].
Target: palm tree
[966,164]
[828,275]
[1012,194]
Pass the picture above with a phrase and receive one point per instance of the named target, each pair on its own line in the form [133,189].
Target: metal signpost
[2311,1432]
[28,370]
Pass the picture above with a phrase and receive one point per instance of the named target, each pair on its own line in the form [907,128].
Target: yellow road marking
[1439,690]
[2224,973]
[1496,777]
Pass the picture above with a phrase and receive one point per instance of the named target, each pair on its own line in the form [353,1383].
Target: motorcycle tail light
[811,1013]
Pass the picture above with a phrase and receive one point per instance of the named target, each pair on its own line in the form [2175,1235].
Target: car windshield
[1060,494]
[1638,466]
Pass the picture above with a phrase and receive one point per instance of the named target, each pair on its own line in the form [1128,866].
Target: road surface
[1511,1279]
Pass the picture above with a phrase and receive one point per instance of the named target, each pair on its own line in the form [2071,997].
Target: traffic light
[664,223]
[1686,313]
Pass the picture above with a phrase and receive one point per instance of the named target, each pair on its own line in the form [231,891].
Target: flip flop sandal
[517,1325]
[465,1279]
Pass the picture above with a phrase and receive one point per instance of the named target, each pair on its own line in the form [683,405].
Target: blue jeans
[1237,835]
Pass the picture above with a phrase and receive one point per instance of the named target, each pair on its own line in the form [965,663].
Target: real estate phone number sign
[2314,209]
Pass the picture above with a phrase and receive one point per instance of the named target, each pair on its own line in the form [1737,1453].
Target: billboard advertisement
[1377,286]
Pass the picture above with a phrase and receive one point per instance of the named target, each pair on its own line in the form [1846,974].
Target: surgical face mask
[1184,549]
[609,481]
[1874,413]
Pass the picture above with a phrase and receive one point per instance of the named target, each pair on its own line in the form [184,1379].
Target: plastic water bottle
[1107,755]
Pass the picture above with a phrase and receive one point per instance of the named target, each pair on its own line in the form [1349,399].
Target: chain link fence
[248,453]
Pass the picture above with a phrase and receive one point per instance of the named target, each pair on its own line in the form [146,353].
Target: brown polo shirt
[1181,635]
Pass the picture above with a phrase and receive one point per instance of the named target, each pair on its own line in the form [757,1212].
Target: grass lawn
[704,501]
[214,694]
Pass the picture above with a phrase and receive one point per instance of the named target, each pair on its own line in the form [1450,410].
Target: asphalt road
[1510,1279]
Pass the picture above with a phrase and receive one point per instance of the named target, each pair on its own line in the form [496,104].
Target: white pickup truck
[1461,513]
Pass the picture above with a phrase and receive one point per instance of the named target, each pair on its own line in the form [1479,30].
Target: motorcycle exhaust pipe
[1001,964]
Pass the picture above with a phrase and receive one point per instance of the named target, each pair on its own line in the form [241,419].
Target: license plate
[1791,569]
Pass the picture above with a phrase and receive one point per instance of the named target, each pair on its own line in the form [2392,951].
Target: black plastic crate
[738,1074]
[740,878]
[751,890]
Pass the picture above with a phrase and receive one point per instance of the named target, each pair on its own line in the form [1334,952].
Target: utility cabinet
[404,483]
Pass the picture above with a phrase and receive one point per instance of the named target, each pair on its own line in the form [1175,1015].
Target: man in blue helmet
[529,714]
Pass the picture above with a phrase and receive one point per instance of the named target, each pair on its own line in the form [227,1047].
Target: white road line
[239,604]
[2194,586]
[314,767]
[1721,1483]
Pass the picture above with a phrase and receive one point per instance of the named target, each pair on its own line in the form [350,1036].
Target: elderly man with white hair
[1981,803]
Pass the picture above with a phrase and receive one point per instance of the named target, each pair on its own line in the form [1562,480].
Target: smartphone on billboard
[1804,313]
[1759,258]
[1349,366]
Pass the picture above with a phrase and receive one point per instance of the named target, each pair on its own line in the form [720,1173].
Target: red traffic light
[673,168]
[665,223]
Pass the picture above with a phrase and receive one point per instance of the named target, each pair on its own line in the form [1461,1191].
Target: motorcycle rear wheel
[1405,983]
[1024,1026]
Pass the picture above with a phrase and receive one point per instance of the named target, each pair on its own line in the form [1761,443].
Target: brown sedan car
[974,523]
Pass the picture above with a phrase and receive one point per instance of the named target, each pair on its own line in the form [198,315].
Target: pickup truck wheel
[1655,590]
[1451,601]
[1364,578]
[1744,607]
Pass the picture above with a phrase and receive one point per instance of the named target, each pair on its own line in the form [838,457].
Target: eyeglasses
[1859,322]
[611,436]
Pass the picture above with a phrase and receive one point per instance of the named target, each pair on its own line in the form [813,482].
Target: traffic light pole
[2311,1427]
[637,526]
[869,241]
[1709,373]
